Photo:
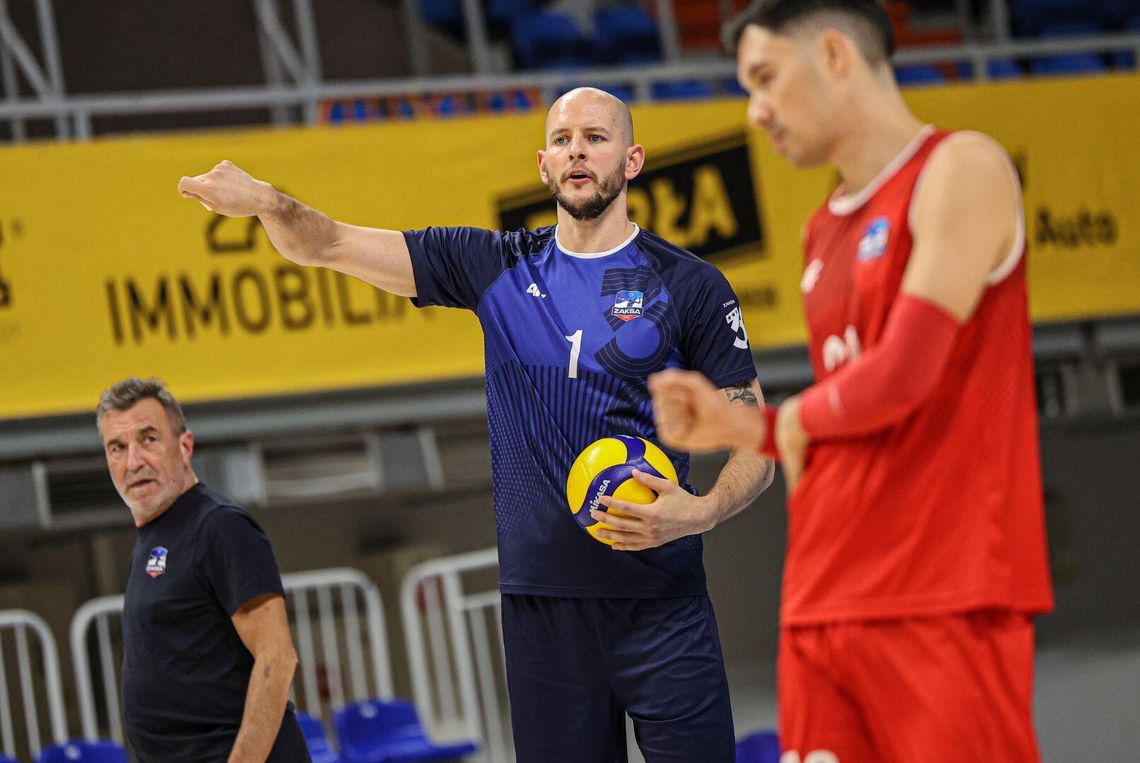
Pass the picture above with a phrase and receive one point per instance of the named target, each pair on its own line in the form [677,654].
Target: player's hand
[229,190]
[675,514]
[694,416]
[791,441]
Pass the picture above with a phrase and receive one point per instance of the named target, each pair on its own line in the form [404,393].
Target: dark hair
[128,392]
[869,25]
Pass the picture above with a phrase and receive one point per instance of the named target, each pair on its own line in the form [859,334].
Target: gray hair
[127,393]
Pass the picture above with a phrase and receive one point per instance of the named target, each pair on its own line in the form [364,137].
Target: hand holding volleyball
[604,469]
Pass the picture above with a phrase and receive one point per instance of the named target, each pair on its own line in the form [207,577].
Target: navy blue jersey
[570,340]
[185,669]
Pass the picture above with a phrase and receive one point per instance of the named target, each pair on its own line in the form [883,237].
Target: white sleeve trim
[1013,257]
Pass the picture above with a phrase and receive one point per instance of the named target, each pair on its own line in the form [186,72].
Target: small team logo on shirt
[156,563]
[627,305]
[874,242]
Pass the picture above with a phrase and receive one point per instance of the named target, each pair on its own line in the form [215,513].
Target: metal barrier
[18,622]
[333,640]
[461,630]
[293,76]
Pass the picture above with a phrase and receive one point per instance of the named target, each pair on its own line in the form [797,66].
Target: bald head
[594,105]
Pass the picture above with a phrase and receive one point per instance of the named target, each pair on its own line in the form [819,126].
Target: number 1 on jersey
[575,341]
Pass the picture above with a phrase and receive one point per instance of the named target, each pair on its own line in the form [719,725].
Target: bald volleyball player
[591,631]
[916,555]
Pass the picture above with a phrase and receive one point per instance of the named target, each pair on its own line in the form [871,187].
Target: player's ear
[186,445]
[634,161]
[542,173]
[835,51]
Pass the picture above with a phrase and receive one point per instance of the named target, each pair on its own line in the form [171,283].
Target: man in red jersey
[916,544]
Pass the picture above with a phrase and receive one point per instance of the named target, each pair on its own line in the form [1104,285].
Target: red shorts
[923,690]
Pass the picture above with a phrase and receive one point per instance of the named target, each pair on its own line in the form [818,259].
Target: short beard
[609,189]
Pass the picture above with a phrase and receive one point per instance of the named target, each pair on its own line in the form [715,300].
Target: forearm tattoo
[741,393]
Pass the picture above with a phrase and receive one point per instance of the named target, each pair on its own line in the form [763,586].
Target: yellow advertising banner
[106,272]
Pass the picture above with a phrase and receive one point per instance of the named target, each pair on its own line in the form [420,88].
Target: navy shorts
[576,666]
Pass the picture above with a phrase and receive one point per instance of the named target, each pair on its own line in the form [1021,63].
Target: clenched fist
[229,190]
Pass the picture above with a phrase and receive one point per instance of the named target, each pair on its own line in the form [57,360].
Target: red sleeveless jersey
[942,511]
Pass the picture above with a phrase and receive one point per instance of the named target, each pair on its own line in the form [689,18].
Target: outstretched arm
[677,513]
[302,234]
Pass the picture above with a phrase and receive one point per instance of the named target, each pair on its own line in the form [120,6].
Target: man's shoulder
[213,508]
[528,243]
[655,246]
[206,499]
[681,270]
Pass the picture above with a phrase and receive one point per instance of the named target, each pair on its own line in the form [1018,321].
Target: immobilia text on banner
[106,272]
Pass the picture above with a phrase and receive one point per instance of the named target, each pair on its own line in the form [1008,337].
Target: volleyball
[605,467]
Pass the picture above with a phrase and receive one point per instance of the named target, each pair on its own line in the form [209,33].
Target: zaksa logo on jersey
[156,563]
[627,305]
[735,321]
[874,242]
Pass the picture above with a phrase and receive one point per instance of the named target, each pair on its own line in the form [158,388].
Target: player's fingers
[614,533]
[674,381]
[654,483]
[191,185]
[636,511]
[662,379]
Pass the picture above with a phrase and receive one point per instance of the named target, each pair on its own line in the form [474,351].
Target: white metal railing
[351,587]
[335,666]
[19,623]
[454,641]
[80,110]
[294,79]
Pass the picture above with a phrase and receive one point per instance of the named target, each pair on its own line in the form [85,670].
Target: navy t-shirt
[570,340]
[185,669]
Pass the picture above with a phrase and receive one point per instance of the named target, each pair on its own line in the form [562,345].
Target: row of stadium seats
[548,40]
[1051,18]
[371,732]
[628,34]
[375,731]
[446,105]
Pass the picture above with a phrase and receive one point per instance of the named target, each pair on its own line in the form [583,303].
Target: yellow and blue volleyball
[605,467]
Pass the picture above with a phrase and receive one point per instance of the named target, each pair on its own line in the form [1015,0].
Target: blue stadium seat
[500,13]
[545,41]
[1125,60]
[388,731]
[316,740]
[682,90]
[996,69]
[1032,17]
[1070,63]
[1120,14]
[1003,68]
[445,14]
[625,35]
[758,747]
[732,88]
[919,74]
[624,92]
[79,751]
[6,759]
